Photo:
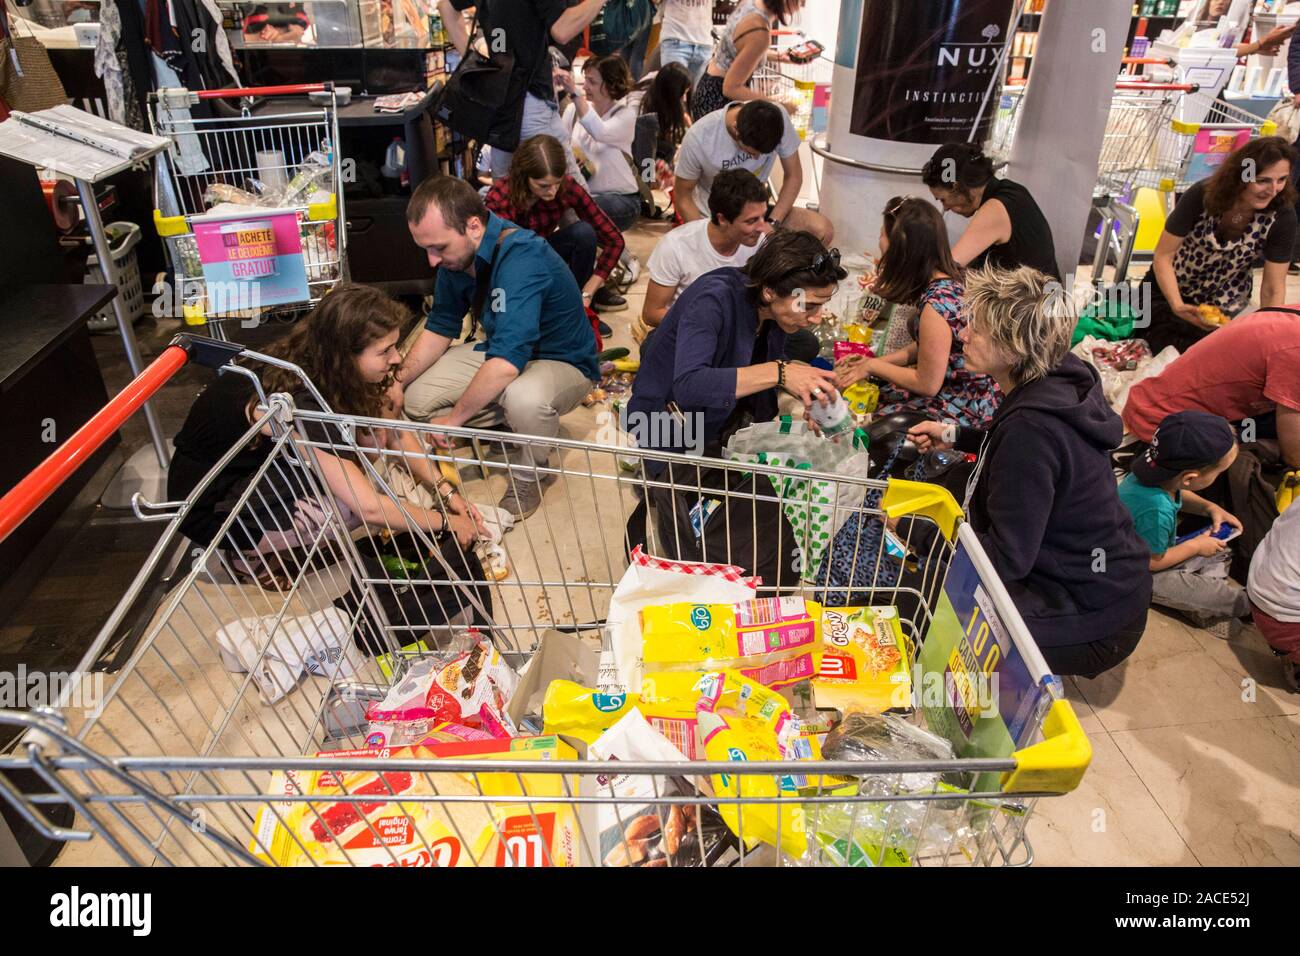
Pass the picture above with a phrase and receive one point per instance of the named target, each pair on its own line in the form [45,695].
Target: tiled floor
[1196,743]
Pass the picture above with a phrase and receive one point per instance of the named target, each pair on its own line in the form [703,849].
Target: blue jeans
[576,245]
[539,117]
[693,56]
[623,208]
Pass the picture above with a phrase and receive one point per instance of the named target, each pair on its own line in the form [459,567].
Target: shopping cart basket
[176,762]
[292,246]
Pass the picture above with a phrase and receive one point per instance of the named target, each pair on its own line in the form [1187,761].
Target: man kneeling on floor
[537,359]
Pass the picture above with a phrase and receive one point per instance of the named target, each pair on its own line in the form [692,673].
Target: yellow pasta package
[774,641]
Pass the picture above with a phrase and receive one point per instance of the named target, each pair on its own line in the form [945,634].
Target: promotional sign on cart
[255,261]
[990,700]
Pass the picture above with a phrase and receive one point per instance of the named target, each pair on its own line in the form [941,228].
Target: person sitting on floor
[537,193]
[728,238]
[1274,588]
[929,375]
[1042,499]
[538,360]
[745,136]
[1189,451]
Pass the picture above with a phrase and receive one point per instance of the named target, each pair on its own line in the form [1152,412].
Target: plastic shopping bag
[815,508]
[651,580]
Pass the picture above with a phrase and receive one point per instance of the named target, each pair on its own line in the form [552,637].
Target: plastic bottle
[395,159]
[833,418]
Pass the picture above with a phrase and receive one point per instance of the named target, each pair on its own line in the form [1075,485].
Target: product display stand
[58,141]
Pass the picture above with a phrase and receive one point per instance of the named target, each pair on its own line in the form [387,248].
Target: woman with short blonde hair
[1042,497]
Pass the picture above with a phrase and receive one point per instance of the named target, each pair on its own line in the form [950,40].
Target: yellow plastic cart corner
[1056,764]
[919,497]
[169,225]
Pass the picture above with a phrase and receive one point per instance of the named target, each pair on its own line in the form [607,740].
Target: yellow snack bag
[774,641]
[867,662]
[585,713]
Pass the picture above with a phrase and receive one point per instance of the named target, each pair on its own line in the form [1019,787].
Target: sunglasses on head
[827,261]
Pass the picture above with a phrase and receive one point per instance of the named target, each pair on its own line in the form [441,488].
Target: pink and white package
[471,690]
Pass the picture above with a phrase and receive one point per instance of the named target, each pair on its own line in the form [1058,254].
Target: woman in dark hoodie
[1042,497]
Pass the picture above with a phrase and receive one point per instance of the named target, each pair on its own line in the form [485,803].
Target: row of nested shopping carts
[1162,133]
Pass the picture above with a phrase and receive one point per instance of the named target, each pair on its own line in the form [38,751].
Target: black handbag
[483,100]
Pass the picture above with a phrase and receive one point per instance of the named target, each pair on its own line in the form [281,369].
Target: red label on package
[520,843]
[835,667]
[444,852]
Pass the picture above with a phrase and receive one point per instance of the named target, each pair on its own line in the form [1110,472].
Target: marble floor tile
[1231,788]
[1112,819]
[1171,681]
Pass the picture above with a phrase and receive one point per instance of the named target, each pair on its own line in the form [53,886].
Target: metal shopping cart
[183,761]
[230,261]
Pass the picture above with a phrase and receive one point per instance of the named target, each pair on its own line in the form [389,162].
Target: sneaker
[605,329]
[606,300]
[1294,269]
[1225,629]
[522,498]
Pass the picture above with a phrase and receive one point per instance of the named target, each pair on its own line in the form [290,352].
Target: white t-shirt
[685,253]
[690,21]
[708,149]
[1275,568]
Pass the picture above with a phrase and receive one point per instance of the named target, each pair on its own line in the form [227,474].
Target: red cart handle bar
[287,90]
[29,494]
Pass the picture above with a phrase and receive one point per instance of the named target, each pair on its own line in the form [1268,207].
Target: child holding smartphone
[1189,451]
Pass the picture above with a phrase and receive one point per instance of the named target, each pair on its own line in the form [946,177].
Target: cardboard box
[391,831]
[866,665]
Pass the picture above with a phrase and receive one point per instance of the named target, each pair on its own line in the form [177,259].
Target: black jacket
[1046,509]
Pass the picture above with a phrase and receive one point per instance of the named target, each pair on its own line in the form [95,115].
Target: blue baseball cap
[1184,441]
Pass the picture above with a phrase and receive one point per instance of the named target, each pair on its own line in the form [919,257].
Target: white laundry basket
[123,237]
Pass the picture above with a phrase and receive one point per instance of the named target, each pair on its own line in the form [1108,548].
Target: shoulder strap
[483,282]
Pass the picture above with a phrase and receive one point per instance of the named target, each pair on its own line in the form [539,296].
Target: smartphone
[1226,532]
[805,52]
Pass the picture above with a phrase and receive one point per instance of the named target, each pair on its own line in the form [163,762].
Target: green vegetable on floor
[610,355]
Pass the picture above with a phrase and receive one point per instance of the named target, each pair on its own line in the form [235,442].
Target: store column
[1063,116]
[908,77]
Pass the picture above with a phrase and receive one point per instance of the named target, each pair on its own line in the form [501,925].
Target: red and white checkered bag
[728,571]
[652,580]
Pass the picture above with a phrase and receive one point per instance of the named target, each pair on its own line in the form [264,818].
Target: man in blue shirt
[538,357]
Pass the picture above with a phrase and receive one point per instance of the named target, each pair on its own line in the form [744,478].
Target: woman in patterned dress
[929,375]
[1220,228]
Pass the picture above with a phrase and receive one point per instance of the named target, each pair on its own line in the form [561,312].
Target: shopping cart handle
[286,90]
[29,494]
[1169,87]
[210,353]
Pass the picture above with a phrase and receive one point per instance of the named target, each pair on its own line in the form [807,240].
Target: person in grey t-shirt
[745,136]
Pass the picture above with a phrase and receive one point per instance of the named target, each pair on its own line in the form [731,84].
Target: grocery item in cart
[775,641]
[585,713]
[740,722]
[390,831]
[471,686]
[417,725]
[642,832]
[889,832]
[866,664]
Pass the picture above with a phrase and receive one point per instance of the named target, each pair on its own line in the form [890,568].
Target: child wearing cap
[1189,451]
